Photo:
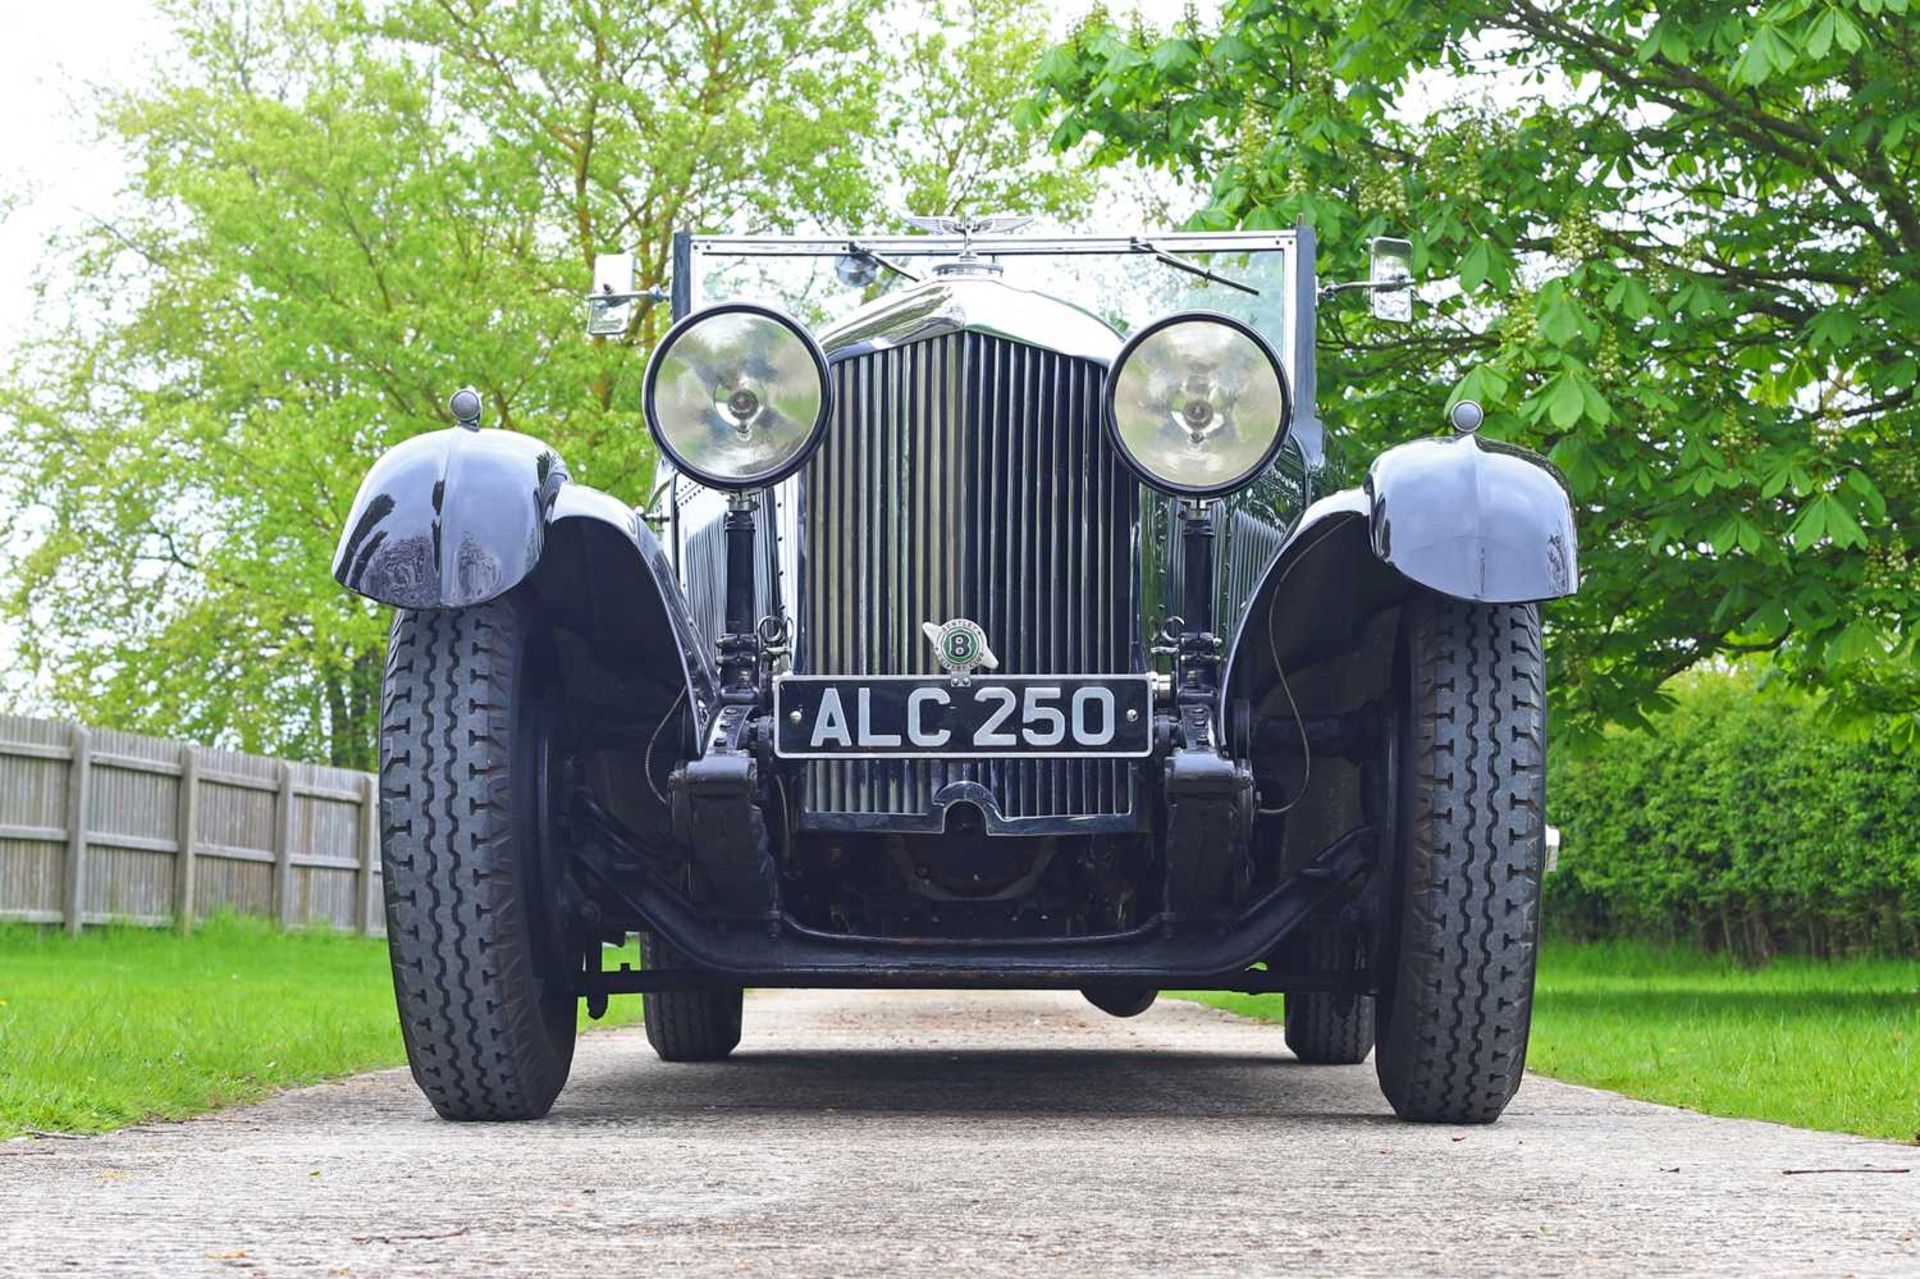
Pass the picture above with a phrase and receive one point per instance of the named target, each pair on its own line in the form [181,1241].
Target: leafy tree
[338,217]
[1687,237]
[949,141]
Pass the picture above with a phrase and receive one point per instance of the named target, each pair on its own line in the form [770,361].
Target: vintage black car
[996,630]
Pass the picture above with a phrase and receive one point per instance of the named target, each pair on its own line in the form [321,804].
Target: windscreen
[821,282]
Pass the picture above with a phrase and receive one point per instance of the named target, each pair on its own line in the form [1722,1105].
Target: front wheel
[1453,1022]
[480,971]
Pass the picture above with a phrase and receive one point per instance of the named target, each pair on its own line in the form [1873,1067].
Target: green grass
[119,1025]
[1818,1045]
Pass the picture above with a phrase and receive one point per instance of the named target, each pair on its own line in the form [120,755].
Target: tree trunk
[350,707]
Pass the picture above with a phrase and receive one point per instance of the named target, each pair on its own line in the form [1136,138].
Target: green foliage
[339,215]
[1745,822]
[1818,1044]
[948,143]
[1687,237]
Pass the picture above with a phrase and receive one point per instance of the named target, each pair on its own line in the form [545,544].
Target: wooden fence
[98,826]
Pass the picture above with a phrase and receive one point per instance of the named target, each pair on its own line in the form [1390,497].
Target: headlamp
[737,395]
[1197,404]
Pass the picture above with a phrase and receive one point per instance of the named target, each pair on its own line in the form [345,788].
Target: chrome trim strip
[934,822]
[992,246]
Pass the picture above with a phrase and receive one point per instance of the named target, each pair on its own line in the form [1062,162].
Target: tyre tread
[688,1025]
[478,1039]
[1328,1028]
[1453,1036]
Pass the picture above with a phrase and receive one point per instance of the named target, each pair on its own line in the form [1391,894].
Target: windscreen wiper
[1140,245]
[855,249]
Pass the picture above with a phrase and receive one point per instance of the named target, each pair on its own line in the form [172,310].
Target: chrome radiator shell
[968,475]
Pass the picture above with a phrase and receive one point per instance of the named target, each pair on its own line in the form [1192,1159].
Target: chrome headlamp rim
[1145,473]
[759,479]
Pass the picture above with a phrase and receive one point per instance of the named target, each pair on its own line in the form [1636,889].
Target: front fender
[454,518]
[449,519]
[622,591]
[1464,516]
[1474,519]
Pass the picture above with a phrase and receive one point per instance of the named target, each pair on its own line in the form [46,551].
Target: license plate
[989,717]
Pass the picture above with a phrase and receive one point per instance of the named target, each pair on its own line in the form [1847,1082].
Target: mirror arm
[658,293]
[651,512]
[1329,291]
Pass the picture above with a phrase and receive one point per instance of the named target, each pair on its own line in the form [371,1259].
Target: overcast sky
[51,56]
[52,168]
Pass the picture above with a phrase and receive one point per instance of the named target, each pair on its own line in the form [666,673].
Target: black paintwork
[667,626]
[449,519]
[1474,519]
[1467,517]
[454,518]
[1214,952]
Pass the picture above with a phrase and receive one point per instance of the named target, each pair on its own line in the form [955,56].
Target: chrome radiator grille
[967,476]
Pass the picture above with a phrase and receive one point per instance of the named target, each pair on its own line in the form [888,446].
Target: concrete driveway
[988,1133]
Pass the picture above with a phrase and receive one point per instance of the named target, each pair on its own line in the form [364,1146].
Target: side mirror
[1391,285]
[611,306]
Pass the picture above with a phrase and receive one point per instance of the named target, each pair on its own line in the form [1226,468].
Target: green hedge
[1741,823]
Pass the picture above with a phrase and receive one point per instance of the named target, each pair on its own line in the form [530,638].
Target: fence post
[369,906]
[283,850]
[79,784]
[186,834]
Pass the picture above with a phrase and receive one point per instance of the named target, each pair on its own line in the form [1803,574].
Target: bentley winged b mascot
[970,641]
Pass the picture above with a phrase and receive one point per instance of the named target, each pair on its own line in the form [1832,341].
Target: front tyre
[480,972]
[1453,1022]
